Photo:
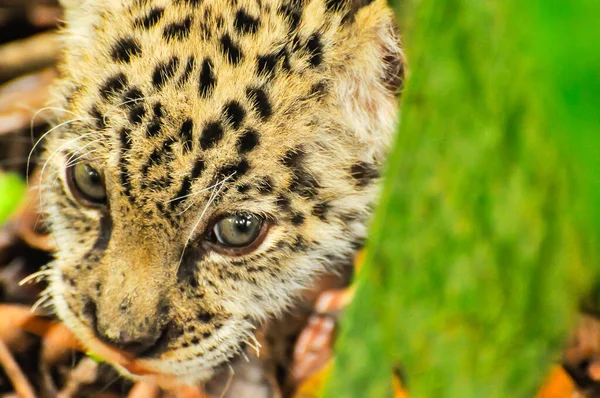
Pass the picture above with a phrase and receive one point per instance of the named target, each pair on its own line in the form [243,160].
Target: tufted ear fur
[81,16]
[372,65]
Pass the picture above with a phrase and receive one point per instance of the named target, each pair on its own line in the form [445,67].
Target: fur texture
[195,109]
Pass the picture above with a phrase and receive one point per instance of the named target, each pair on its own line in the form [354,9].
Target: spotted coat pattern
[193,109]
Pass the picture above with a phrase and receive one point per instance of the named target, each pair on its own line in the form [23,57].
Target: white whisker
[212,197]
[44,136]
[48,161]
[46,108]
[39,302]
[36,276]
[112,108]
[256,345]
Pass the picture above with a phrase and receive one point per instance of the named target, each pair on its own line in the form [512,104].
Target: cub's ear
[369,57]
[82,17]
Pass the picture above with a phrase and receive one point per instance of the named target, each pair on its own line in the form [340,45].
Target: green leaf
[94,357]
[486,240]
[12,189]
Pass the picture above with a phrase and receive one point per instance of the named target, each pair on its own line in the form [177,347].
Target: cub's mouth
[166,358]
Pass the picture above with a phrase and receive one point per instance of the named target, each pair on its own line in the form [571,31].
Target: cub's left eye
[86,185]
[239,232]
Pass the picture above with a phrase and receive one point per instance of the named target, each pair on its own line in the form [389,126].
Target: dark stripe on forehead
[245,23]
[185,132]
[247,141]
[260,101]
[234,113]
[211,134]
[137,113]
[178,30]
[113,85]
[231,50]
[182,194]
[315,50]
[95,113]
[124,49]
[132,96]
[207,79]
[164,71]
[233,171]
[150,19]
[189,67]
[198,168]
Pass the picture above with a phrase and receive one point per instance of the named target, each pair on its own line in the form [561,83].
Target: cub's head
[210,158]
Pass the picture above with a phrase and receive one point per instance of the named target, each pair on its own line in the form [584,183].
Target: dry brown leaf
[21,98]
[84,373]
[144,389]
[16,376]
[35,52]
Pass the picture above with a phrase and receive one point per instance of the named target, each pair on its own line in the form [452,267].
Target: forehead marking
[234,113]
[185,132]
[113,85]
[198,168]
[137,113]
[297,219]
[207,79]
[247,141]
[150,19]
[189,67]
[182,194]
[234,170]
[292,15]
[125,48]
[95,113]
[231,51]
[164,71]
[133,95]
[315,49]
[211,134]
[245,23]
[260,102]
[265,64]
[320,210]
[124,136]
[265,185]
[178,30]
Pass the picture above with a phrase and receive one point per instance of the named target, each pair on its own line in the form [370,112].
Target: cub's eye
[239,232]
[86,184]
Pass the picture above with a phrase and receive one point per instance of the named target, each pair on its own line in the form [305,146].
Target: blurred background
[479,279]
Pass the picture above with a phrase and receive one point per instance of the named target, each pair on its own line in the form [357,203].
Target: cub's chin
[169,361]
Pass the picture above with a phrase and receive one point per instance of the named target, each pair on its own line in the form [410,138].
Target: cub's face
[209,160]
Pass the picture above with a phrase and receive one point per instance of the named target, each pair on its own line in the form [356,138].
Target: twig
[16,376]
[20,98]
[85,373]
[21,56]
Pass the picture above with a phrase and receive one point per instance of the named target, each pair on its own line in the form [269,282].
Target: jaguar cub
[209,158]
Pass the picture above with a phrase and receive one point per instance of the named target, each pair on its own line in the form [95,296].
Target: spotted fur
[194,109]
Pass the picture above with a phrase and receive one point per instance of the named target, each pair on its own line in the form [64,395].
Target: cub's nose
[128,343]
[124,332]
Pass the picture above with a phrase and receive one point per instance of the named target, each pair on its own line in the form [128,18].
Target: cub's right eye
[86,184]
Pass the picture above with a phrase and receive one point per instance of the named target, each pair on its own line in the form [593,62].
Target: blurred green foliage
[12,188]
[486,237]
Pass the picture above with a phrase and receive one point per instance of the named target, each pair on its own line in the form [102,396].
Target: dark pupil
[94,176]
[244,224]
